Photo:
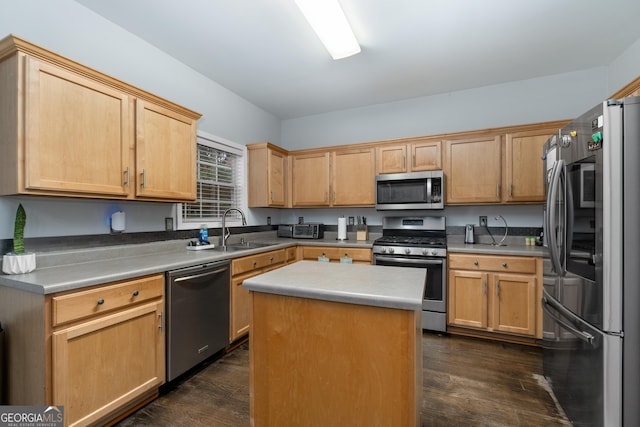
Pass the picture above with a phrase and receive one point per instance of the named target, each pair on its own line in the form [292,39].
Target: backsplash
[49,244]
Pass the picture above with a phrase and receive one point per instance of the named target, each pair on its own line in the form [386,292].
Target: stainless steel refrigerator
[591,297]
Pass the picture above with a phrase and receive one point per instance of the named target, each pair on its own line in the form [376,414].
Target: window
[220,184]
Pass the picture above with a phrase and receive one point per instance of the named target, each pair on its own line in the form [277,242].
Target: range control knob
[383,250]
[425,251]
[391,250]
[407,251]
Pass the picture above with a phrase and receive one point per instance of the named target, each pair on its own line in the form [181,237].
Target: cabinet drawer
[334,253]
[512,264]
[78,305]
[252,262]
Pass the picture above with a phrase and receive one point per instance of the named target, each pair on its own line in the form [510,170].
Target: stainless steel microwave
[412,190]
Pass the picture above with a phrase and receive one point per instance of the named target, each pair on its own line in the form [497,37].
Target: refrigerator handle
[548,301]
[552,206]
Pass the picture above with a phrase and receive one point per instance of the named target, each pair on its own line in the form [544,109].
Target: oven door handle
[409,260]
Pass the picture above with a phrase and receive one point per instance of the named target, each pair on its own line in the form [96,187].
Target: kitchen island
[336,344]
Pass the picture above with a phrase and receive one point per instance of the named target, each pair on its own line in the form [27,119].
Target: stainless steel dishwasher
[197,315]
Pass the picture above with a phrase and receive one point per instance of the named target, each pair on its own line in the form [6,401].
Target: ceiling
[264,51]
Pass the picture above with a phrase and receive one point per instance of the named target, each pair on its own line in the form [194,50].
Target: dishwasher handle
[197,276]
[198,271]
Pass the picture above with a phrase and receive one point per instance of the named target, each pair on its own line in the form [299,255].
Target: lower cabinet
[242,269]
[357,255]
[114,355]
[98,352]
[495,294]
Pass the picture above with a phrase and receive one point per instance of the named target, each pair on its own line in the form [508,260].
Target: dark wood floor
[467,382]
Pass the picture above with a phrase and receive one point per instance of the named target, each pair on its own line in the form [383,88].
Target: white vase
[18,264]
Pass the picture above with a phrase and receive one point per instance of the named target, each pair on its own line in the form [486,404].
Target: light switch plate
[168,224]
[483,221]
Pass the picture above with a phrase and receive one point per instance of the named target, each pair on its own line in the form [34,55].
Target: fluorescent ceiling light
[330,24]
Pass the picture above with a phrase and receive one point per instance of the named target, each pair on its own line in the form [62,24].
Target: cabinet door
[514,303]
[240,307]
[468,299]
[165,153]
[426,156]
[354,177]
[276,173]
[77,134]
[102,364]
[391,159]
[310,179]
[473,170]
[524,181]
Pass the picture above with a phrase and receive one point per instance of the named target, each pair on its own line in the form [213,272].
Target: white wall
[548,98]
[70,29]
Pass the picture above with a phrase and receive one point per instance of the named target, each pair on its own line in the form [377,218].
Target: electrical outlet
[168,223]
[483,221]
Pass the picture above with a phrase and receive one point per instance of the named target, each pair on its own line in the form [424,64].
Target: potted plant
[19,261]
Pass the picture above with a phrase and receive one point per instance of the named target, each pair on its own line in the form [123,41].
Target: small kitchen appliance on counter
[468,233]
[301,231]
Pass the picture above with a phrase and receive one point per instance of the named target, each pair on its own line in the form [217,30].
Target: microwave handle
[429,190]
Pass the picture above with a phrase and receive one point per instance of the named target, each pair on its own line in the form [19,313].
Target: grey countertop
[373,285]
[75,269]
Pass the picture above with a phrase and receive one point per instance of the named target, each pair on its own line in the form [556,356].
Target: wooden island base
[323,363]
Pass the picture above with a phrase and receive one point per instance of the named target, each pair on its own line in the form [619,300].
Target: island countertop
[373,285]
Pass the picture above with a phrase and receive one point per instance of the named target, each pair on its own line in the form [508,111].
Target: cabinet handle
[498,190]
[254,264]
[504,264]
[126,177]
[484,287]
[100,301]
[497,288]
[403,162]
[144,179]
[160,320]
[272,196]
[510,190]
[413,161]
[475,263]
[136,293]
[271,260]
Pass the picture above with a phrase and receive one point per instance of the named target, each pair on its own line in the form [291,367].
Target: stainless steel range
[419,242]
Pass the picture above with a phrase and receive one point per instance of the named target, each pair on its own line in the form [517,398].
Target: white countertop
[374,285]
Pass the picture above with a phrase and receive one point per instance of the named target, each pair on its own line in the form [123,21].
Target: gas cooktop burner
[431,242]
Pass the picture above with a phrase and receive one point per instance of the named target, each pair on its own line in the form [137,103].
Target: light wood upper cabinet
[334,178]
[69,130]
[391,158]
[310,186]
[524,181]
[267,175]
[165,153]
[76,133]
[472,170]
[409,157]
[353,177]
[426,156]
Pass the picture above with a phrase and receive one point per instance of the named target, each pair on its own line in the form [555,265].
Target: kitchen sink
[244,246]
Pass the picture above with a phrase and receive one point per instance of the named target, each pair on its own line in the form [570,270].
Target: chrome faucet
[225,231]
